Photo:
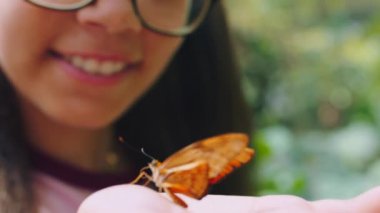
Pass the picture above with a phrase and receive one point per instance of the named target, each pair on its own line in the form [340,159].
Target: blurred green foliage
[312,76]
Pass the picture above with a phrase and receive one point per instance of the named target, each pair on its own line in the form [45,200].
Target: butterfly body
[193,169]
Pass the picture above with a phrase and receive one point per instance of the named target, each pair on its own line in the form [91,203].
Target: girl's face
[82,68]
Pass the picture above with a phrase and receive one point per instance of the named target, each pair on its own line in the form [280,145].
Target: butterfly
[192,169]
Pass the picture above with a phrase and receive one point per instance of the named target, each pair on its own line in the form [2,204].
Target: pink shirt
[55,196]
[60,187]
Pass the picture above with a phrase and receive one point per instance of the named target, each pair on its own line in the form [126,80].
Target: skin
[67,117]
[133,198]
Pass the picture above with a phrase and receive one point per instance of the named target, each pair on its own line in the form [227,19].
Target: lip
[95,79]
[99,56]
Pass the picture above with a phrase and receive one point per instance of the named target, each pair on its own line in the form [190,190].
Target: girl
[78,74]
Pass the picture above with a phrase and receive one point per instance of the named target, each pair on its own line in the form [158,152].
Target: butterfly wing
[223,153]
[189,179]
[221,170]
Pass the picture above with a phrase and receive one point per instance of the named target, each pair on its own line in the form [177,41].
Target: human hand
[128,198]
[133,198]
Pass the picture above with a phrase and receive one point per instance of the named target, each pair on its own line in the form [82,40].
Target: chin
[86,121]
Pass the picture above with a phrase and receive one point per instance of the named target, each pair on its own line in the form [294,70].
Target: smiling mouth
[94,66]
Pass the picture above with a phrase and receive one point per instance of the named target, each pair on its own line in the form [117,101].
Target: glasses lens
[173,15]
[61,4]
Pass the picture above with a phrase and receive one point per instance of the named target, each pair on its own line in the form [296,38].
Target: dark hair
[15,187]
[198,96]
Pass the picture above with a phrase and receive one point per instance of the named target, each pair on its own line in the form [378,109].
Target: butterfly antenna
[149,156]
[122,140]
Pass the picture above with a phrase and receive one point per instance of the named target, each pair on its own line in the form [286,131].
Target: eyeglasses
[167,17]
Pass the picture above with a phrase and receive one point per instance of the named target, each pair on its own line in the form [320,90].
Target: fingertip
[126,197]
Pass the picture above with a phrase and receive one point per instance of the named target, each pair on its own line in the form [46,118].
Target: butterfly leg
[174,197]
[178,188]
[160,189]
[148,179]
[142,174]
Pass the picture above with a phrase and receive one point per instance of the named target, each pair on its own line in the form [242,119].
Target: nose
[114,16]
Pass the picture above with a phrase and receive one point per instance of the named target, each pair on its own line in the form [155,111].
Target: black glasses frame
[176,33]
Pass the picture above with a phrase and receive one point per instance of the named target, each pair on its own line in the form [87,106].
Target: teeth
[93,66]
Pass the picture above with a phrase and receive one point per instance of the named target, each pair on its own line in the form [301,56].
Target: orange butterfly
[192,169]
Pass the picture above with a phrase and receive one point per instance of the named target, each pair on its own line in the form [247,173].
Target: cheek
[157,53]
[159,50]
[25,35]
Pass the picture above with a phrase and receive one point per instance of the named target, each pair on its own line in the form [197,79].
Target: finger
[221,204]
[367,201]
[243,204]
[127,198]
